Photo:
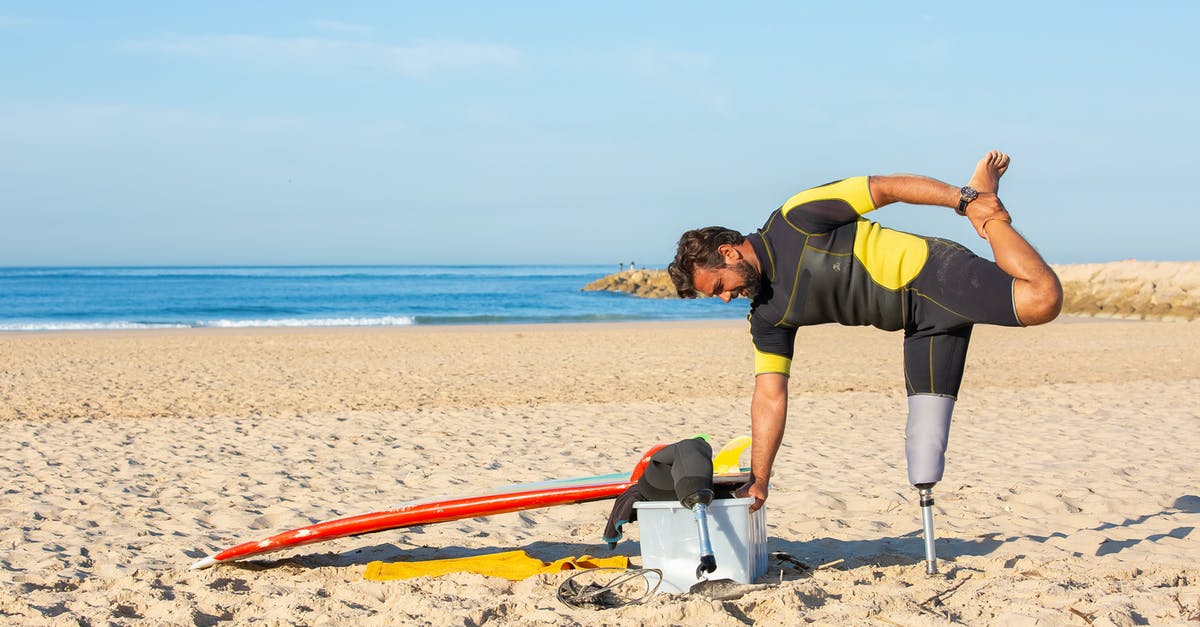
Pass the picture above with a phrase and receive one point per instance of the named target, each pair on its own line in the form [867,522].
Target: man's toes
[998,161]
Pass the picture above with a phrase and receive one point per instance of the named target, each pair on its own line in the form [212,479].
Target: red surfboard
[428,511]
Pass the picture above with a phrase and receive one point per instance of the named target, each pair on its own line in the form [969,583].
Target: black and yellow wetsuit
[823,262]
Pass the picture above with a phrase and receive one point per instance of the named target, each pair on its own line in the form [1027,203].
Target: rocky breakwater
[1150,290]
[643,283]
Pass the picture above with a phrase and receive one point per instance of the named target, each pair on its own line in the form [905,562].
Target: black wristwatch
[965,195]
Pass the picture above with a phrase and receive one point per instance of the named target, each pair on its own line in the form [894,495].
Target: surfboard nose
[204,563]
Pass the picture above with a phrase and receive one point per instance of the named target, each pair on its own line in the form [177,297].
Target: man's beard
[751,277]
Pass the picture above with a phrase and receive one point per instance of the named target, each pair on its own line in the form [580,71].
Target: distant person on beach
[817,260]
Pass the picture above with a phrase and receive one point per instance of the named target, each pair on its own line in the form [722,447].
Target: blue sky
[569,132]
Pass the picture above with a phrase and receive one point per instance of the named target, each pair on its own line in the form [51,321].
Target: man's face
[729,281]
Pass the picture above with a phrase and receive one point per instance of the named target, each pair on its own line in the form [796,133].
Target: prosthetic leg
[925,440]
[684,471]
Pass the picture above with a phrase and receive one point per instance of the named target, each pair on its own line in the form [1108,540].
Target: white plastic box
[671,541]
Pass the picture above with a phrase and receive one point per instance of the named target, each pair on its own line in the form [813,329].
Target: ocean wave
[385,321]
[382,321]
[87,326]
[302,272]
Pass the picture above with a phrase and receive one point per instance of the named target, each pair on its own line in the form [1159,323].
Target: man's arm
[768,417]
[914,190]
[922,190]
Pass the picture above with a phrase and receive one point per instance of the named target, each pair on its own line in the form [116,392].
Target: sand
[1071,495]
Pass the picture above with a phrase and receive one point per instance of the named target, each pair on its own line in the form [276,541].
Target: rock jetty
[1144,290]
[1149,290]
[642,283]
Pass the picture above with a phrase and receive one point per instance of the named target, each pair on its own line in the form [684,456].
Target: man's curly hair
[698,249]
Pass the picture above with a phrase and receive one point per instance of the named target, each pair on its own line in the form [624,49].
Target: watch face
[965,195]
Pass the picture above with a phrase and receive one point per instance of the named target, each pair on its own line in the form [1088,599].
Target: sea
[95,298]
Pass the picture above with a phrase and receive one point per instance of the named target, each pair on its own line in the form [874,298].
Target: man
[817,260]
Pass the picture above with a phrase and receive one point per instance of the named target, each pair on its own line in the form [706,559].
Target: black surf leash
[608,595]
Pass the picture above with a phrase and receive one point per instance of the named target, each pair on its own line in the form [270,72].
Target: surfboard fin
[726,460]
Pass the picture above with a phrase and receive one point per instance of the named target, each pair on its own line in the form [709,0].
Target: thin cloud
[75,122]
[654,62]
[689,74]
[416,60]
[342,27]
[8,21]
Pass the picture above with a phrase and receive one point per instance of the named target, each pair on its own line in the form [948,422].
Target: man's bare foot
[988,171]
[986,181]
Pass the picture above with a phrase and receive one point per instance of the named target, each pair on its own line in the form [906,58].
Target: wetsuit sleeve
[773,347]
[822,209]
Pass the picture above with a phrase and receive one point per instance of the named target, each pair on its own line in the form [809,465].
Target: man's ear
[729,252]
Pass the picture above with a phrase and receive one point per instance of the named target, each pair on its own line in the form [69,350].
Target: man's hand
[985,209]
[984,206]
[755,489]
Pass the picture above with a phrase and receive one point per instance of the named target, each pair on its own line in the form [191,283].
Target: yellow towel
[513,565]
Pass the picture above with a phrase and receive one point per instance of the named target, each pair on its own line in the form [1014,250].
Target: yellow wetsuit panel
[854,191]
[770,363]
[892,258]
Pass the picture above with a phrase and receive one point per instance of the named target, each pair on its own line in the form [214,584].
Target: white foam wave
[85,326]
[384,321]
